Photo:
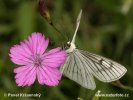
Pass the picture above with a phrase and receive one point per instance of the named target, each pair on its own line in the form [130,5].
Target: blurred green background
[106,29]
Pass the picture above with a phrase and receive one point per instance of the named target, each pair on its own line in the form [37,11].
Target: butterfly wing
[103,68]
[76,69]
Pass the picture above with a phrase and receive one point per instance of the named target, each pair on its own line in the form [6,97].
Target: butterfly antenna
[77,26]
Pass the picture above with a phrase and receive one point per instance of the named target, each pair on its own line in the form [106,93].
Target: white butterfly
[81,65]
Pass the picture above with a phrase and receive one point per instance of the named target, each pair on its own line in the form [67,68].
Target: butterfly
[80,66]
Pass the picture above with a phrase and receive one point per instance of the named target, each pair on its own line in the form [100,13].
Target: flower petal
[25,75]
[54,58]
[20,54]
[52,51]
[48,76]
[38,42]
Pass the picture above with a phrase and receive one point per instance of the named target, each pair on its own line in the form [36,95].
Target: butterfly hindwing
[76,69]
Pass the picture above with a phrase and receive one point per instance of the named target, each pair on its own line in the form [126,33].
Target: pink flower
[35,62]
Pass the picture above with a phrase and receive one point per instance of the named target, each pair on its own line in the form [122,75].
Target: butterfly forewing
[102,68]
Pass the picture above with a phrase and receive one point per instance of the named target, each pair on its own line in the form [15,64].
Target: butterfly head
[67,45]
[70,47]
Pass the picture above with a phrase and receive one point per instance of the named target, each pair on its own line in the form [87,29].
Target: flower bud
[44,11]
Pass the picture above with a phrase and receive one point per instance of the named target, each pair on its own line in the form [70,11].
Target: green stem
[119,84]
